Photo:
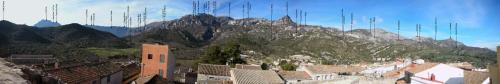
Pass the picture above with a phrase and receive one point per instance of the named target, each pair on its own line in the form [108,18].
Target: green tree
[288,67]
[264,66]
[230,53]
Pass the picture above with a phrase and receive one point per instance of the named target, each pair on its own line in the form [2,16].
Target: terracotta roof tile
[294,75]
[326,69]
[251,67]
[210,69]
[243,76]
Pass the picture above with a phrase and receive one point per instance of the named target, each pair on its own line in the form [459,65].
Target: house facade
[156,59]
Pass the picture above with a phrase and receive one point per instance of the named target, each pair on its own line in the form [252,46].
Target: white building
[329,72]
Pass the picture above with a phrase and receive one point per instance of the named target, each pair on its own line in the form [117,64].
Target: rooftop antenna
[398,29]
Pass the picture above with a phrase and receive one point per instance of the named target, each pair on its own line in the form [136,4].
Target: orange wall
[152,66]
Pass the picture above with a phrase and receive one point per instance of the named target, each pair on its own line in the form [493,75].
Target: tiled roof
[294,75]
[475,77]
[131,70]
[327,69]
[420,67]
[250,67]
[243,76]
[210,69]
[82,73]
[214,82]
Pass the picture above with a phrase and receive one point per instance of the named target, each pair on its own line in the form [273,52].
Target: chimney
[433,77]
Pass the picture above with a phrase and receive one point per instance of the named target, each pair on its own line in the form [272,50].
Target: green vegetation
[106,52]
[264,66]
[230,53]
[287,66]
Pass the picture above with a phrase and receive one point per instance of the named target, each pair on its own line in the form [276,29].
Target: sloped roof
[475,77]
[87,72]
[131,70]
[294,75]
[243,76]
[250,67]
[421,67]
[327,69]
[211,69]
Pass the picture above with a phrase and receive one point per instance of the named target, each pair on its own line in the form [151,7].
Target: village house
[295,77]
[250,67]
[431,73]
[329,72]
[494,69]
[157,59]
[244,76]
[95,73]
[213,74]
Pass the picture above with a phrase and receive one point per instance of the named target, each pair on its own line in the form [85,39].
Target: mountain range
[259,38]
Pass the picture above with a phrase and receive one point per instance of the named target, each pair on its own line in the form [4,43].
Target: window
[150,56]
[160,73]
[162,58]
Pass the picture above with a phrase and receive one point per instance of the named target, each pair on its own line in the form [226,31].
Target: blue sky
[477,19]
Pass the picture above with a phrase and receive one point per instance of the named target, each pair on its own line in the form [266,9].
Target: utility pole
[249,7]
[287,8]
[435,29]
[374,27]
[371,26]
[450,30]
[111,19]
[53,12]
[56,13]
[398,29]
[164,14]
[243,11]
[456,36]
[352,16]
[45,12]
[125,19]
[229,9]
[3,10]
[86,16]
[305,18]
[342,16]
[214,3]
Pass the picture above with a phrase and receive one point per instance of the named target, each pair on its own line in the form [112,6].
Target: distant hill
[193,33]
[61,40]
[115,30]
[46,23]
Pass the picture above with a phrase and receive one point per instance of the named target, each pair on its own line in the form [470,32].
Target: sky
[477,19]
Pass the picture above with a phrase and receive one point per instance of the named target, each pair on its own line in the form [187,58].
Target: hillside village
[205,48]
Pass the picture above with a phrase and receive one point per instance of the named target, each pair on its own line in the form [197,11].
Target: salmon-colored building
[157,59]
